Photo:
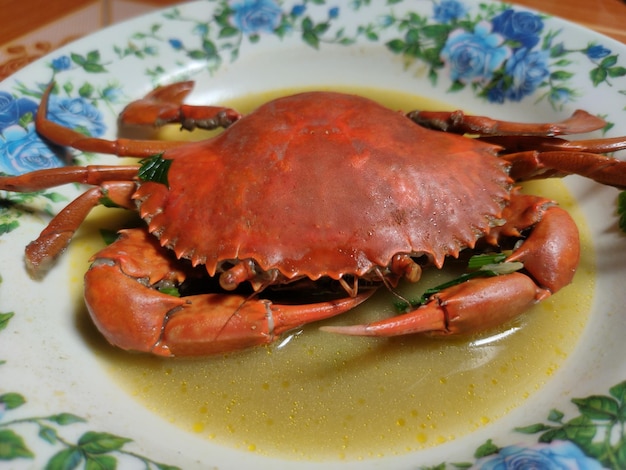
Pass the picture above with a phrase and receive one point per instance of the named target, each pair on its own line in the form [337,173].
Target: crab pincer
[126,297]
[549,255]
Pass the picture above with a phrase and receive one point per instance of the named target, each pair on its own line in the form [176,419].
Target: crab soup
[317,396]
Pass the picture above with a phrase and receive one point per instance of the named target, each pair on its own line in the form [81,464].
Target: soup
[318,396]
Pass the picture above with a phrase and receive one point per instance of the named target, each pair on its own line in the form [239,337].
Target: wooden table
[30,29]
[605,16]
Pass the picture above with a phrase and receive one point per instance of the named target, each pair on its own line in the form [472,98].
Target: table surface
[30,29]
[605,16]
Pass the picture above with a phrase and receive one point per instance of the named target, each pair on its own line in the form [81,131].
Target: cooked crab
[321,193]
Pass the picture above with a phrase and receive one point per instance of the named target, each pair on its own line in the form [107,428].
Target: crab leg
[521,143]
[122,298]
[550,256]
[51,177]
[41,253]
[533,165]
[165,105]
[460,123]
[69,138]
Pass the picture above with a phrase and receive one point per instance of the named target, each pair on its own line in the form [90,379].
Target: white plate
[50,373]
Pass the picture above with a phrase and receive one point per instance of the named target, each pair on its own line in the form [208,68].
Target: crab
[321,197]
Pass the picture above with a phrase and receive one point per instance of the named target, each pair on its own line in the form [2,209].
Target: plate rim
[11,82]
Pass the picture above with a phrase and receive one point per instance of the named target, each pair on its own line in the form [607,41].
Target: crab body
[321,193]
[325,184]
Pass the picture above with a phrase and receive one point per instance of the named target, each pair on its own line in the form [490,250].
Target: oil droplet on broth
[323,396]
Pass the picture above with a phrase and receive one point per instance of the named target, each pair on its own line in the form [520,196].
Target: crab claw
[550,256]
[477,304]
[131,313]
[218,323]
[135,317]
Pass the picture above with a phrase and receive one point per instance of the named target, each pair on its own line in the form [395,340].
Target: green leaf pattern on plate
[91,450]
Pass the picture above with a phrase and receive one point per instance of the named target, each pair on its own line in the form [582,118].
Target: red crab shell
[325,184]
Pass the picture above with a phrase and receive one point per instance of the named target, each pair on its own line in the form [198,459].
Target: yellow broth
[316,396]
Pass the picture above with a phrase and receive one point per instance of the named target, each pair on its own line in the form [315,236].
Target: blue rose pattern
[449,11]
[257,16]
[597,52]
[528,69]
[558,455]
[298,10]
[61,63]
[21,148]
[506,44]
[503,53]
[76,113]
[473,57]
[519,27]
[13,109]
[23,151]
[177,44]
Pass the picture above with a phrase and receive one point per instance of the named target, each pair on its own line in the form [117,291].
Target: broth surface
[317,396]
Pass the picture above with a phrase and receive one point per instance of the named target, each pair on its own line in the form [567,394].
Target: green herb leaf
[454,282]
[478,261]
[170,291]
[482,265]
[155,169]
[109,236]
[620,455]
[228,31]
[107,202]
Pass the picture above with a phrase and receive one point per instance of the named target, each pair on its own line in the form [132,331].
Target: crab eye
[155,169]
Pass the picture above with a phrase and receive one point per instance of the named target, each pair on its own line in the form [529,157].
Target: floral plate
[57,407]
